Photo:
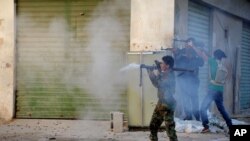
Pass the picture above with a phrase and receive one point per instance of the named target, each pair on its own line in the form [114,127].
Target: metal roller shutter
[61,46]
[245,68]
[199,28]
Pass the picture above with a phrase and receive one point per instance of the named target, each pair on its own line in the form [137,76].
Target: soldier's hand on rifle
[174,49]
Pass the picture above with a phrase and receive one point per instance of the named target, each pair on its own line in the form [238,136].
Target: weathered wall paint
[181,19]
[7,59]
[152,24]
[237,7]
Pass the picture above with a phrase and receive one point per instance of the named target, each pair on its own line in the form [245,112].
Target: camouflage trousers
[162,113]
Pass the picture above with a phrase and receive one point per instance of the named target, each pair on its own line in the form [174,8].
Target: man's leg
[194,86]
[187,105]
[204,107]
[179,111]
[155,123]
[221,108]
[195,106]
[184,99]
[170,125]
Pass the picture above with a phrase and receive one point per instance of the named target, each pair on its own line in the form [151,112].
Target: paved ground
[84,130]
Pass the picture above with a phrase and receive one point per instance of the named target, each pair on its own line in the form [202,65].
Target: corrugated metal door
[68,56]
[199,28]
[245,68]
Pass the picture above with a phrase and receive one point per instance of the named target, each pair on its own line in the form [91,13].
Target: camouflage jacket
[165,83]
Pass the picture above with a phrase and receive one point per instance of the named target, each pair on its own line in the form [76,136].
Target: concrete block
[117,121]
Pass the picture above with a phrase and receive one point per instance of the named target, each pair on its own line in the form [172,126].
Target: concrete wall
[181,19]
[7,45]
[152,24]
[240,8]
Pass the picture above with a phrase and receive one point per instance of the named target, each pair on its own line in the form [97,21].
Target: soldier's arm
[153,77]
[200,53]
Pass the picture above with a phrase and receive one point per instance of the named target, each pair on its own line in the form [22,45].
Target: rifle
[158,67]
[182,69]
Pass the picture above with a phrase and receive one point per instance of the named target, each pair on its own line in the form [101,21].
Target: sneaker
[205,130]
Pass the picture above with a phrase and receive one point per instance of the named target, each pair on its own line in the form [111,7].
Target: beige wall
[6,59]
[152,24]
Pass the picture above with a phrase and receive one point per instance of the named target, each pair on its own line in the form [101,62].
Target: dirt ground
[84,130]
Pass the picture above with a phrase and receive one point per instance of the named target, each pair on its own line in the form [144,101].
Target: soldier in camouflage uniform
[164,81]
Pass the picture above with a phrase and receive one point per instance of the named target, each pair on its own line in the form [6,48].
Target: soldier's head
[168,62]
[190,42]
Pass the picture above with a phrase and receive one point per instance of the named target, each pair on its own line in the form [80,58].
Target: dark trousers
[217,97]
[189,97]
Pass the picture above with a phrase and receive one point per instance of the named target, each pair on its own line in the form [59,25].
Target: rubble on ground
[216,125]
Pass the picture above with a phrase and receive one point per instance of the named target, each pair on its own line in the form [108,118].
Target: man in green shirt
[215,92]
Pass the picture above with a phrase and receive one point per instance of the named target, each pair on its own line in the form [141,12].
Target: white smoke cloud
[99,77]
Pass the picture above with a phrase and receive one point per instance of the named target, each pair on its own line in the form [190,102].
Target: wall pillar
[152,24]
[7,48]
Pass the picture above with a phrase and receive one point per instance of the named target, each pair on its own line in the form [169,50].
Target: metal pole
[141,90]
[236,82]
[140,77]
